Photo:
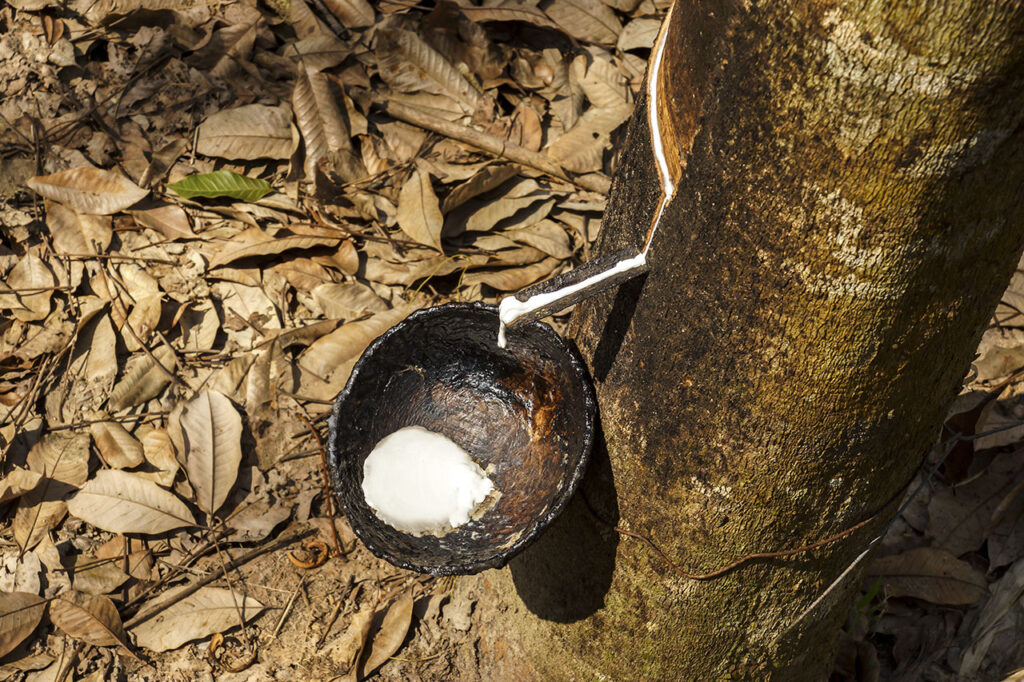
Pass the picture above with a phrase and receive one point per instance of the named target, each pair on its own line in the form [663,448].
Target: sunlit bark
[849,209]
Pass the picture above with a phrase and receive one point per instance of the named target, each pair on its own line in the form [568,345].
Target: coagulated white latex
[419,481]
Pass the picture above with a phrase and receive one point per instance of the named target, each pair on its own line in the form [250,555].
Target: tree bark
[848,212]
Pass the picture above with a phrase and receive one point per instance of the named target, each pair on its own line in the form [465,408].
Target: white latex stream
[511,308]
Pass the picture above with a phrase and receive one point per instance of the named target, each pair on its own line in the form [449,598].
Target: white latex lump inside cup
[419,481]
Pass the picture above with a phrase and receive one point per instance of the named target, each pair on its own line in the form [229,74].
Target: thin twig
[193,555]
[199,584]
[231,588]
[494,145]
[328,488]
[330,620]
[75,653]
[117,256]
[142,416]
[288,608]
[35,290]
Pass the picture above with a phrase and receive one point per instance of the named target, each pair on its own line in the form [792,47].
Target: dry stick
[333,617]
[494,145]
[231,589]
[193,555]
[328,488]
[117,256]
[35,290]
[288,608]
[198,585]
[66,670]
[141,416]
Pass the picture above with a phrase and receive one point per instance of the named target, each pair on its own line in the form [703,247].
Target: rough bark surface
[847,216]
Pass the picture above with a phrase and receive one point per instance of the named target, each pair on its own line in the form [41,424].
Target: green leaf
[221,184]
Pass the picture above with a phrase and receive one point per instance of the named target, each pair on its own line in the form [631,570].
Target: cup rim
[531,532]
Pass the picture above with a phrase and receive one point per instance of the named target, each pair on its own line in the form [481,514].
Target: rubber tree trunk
[849,210]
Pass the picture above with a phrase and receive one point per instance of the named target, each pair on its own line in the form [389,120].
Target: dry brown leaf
[77,233]
[588,20]
[389,638]
[159,452]
[118,448]
[94,575]
[62,456]
[16,483]
[407,63]
[208,611]
[959,516]
[212,430]
[101,363]
[20,613]
[249,132]
[305,23]
[324,125]
[271,247]
[582,147]
[351,13]
[327,363]
[484,181]
[139,559]
[348,300]
[481,218]
[30,285]
[346,650]
[143,320]
[419,214]
[1002,614]
[931,574]
[123,502]
[168,219]
[319,52]
[512,279]
[199,327]
[510,10]
[603,85]
[38,513]
[143,381]
[639,33]
[546,235]
[90,618]
[89,190]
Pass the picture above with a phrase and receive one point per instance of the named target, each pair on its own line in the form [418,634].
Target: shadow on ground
[565,574]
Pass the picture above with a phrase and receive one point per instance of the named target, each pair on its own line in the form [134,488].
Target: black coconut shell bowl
[525,414]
